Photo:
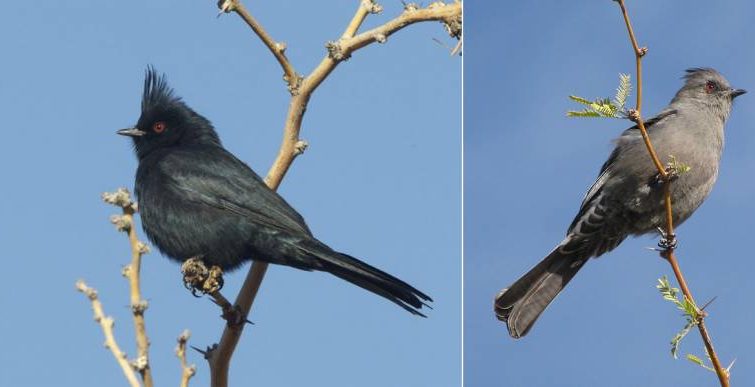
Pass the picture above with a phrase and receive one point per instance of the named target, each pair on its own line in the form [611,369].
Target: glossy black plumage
[198,199]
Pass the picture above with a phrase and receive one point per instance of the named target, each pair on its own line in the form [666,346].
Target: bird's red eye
[159,127]
[710,87]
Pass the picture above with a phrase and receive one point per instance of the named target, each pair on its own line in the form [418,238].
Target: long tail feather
[521,304]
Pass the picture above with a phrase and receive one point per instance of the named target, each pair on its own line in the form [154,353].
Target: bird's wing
[592,197]
[218,179]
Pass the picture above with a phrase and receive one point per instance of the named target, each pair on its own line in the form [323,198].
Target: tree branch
[125,223]
[292,145]
[138,304]
[278,49]
[187,371]
[668,252]
[106,323]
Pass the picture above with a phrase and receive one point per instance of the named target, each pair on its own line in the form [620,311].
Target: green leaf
[676,166]
[582,113]
[605,107]
[579,100]
[699,362]
[623,91]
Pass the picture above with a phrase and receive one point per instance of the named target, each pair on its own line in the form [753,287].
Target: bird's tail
[521,304]
[372,279]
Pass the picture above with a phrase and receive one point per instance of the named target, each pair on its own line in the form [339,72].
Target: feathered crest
[156,90]
[695,71]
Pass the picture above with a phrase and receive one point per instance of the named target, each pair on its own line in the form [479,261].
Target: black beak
[131,132]
[736,92]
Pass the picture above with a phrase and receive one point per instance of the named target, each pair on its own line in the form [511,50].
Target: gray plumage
[627,197]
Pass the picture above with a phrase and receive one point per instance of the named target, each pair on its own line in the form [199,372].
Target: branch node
[642,51]
[372,6]
[140,363]
[411,7]
[452,26]
[139,307]
[381,38]
[120,198]
[293,84]
[336,52]
[142,247]
[281,47]
[122,223]
[633,115]
[300,147]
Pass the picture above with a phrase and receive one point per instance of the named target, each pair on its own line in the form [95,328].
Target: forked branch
[301,90]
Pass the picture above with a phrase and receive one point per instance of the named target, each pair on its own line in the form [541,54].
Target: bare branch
[106,323]
[278,49]
[292,146]
[187,371]
[125,222]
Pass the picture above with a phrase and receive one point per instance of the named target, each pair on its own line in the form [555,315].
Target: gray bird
[627,197]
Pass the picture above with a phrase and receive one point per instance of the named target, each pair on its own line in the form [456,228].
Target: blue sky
[381,181]
[527,167]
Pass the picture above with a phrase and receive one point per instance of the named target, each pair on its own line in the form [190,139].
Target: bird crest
[156,90]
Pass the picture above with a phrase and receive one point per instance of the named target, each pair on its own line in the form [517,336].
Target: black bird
[196,199]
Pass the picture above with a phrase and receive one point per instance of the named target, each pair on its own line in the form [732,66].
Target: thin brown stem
[106,323]
[292,145]
[668,253]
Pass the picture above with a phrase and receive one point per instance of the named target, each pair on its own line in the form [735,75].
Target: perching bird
[627,197]
[196,199]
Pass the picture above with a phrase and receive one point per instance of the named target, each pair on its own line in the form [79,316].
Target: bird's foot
[668,241]
[199,279]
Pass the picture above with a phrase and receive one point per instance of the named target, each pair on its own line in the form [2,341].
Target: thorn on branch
[207,353]
[227,6]
[234,316]
[199,279]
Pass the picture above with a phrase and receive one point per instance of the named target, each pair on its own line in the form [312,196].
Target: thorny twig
[668,251]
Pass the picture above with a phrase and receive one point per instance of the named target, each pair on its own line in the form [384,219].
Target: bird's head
[709,88]
[166,121]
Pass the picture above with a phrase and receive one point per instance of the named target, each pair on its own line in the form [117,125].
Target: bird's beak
[736,92]
[131,132]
